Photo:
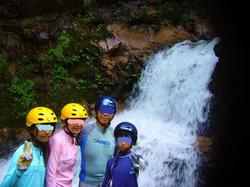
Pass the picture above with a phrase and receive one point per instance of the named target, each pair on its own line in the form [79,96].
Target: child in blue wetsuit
[123,169]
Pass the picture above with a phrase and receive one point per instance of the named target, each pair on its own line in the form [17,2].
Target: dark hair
[44,147]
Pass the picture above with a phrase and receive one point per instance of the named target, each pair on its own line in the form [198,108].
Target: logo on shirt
[132,171]
[103,142]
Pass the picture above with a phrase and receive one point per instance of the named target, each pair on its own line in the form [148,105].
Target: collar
[70,136]
[122,154]
[101,128]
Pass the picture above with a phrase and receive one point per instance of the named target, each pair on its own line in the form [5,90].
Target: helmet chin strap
[74,136]
[68,131]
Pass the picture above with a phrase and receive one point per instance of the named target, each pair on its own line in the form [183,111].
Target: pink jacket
[61,160]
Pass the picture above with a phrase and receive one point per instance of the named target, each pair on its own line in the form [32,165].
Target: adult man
[97,143]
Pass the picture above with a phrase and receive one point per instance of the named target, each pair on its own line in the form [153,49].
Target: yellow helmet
[40,115]
[73,110]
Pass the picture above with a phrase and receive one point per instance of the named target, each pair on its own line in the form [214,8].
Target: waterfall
[171,101]
[168,104]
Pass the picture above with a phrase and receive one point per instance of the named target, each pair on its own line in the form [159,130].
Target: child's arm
[138,161]
[142,163]
[108,174]
[14,173]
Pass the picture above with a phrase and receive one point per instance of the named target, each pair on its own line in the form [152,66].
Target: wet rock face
[135,30]
[5,133]
[31,8]
[10,139]
[109,44]
[145,39]
[204,144]
[133,46]
[20,134]
[112,62]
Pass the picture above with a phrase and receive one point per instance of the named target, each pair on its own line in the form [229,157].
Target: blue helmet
[106,104]
[126,128]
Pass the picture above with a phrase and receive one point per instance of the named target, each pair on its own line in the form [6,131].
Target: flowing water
[168,104]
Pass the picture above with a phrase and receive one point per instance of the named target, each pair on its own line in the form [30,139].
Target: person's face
[104,118]
[44,136]
[124,143]
[75,125]
[44,132]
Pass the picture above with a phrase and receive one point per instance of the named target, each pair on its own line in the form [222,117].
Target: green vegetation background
[66,68]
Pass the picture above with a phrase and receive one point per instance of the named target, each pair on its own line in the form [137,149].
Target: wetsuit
[121,172]
[97,147]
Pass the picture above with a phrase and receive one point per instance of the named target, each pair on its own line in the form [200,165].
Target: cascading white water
[172,99]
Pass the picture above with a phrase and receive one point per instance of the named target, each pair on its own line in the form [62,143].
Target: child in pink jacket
[63,146]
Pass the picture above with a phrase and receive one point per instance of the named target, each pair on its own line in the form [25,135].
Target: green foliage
[175,13]
[99,85]
[125,9]
[87,3]
[103,83]
[87,18]
[44,58]
[14,43]
[101,32]
[82,85]
[95,24]
[59,78]
[28,26]
[80,47]
[99,81]
[133,16]
[57,53]
[69,50]
[24,95]
[27,68]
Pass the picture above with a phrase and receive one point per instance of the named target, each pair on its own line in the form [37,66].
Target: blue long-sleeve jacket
[33,176]
[121,171]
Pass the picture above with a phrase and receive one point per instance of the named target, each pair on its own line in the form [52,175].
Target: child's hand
[25,158]
[142,163]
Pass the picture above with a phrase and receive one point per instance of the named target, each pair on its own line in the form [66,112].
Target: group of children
[46,160]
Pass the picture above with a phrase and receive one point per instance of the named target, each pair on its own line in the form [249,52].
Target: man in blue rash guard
[97,143]
[122,170]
